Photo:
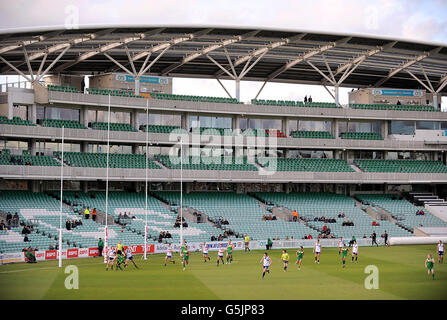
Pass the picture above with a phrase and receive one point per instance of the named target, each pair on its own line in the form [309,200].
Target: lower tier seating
[404,166]
[99,160]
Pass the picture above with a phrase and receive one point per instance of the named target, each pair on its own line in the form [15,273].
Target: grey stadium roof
[227,53]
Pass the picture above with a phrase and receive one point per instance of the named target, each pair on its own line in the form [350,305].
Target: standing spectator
[385,235]
[305,99]
[269,244]
[100,246]
[246,242]
[68,224]
[295,215]
[94,214]
[87,213]
[310,99]
[374,237]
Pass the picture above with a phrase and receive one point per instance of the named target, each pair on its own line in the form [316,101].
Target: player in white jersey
[220,255]
[205,252]
[317,251]
[111,259]
[340,245]
[355,251]
[266,262]
[129,257]
[168,255]
[440,252]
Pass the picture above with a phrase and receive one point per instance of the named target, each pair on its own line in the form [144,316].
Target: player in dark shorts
[129,257]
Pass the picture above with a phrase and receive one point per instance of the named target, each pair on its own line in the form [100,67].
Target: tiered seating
[402,210]
[255,132]
[329,205]
[242,212]
[405,166]
[158,128]
[113,126]
[113,92]
[208,163]
[168,96]
[43,212]
[220,131]
[312,134]
[52,87]
[395,107]
[59,123]
[275,133]
[361,136]
[99,160]
[5,159]
[288,103]
[159,217]
[314,165]
[15,121]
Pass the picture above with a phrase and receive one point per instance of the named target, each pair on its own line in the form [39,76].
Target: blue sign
[397,92]
[154,80]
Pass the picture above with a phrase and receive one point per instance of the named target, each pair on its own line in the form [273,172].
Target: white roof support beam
[300,59]
[208,50]
[328,68]
[118,64]
[224,88]
[30,70]
[348,71]
[42,63]
[321,72]
[263,50]
[442,84]
[29,42]
[221,67]
[130,60]
[143,71]
[426,77]
[15,69]
[405,66]
[364,56]
[333,97]
[52,63]
[102,49]
[230,63]
[420,81]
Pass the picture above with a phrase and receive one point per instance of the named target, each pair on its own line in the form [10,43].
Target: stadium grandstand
[98,106]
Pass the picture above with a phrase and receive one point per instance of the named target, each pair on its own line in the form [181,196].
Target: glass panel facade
[402,127]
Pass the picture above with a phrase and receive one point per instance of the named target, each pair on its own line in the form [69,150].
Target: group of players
[122,256]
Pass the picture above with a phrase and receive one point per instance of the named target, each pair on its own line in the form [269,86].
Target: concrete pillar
[238,90]
[185,121]
[84,147]
[84,116]
[32,113]
[137,86]
[134,119]
[337,100]
[134,149]
[335,129]
[10,109]
[35,186]
[32,146]
[84,186]
[435,100]
[385,129]
[285,126]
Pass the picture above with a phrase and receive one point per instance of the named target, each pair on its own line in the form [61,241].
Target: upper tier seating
[169,96]
[207,163]
[361,136]
[158,128]
[5,159]
[395,107]
[294,103]
[15,121]
[405,166]
[113,126]
[99,160]
[59,123]
[113,92]
[402,210]
[301,164]
[311,134]
[52,87]
[243,213]
[311,205]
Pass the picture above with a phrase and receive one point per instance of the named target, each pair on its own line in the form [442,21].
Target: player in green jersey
[120,260]
[430,264]
[344,254]
[230,248]
[185,256]
[299,257]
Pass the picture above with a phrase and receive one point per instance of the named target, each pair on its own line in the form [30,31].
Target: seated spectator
[68,225]
[25,239]
[51,247]
[213,238]
[309,236]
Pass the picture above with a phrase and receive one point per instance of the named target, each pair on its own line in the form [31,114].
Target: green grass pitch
[402,275]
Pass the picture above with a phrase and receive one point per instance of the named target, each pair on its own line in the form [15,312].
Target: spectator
[25,239]
[213,238]
[30,256]
[87,213]
[94,214]
[310,99]
[100,246]
[364,236]
[269,244]
[374,237]
[309,236]
[305,99]
[295,215]
[51,247]
[68,224]
[385,236]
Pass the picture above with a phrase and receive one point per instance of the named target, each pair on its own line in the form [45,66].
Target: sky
[424,20]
